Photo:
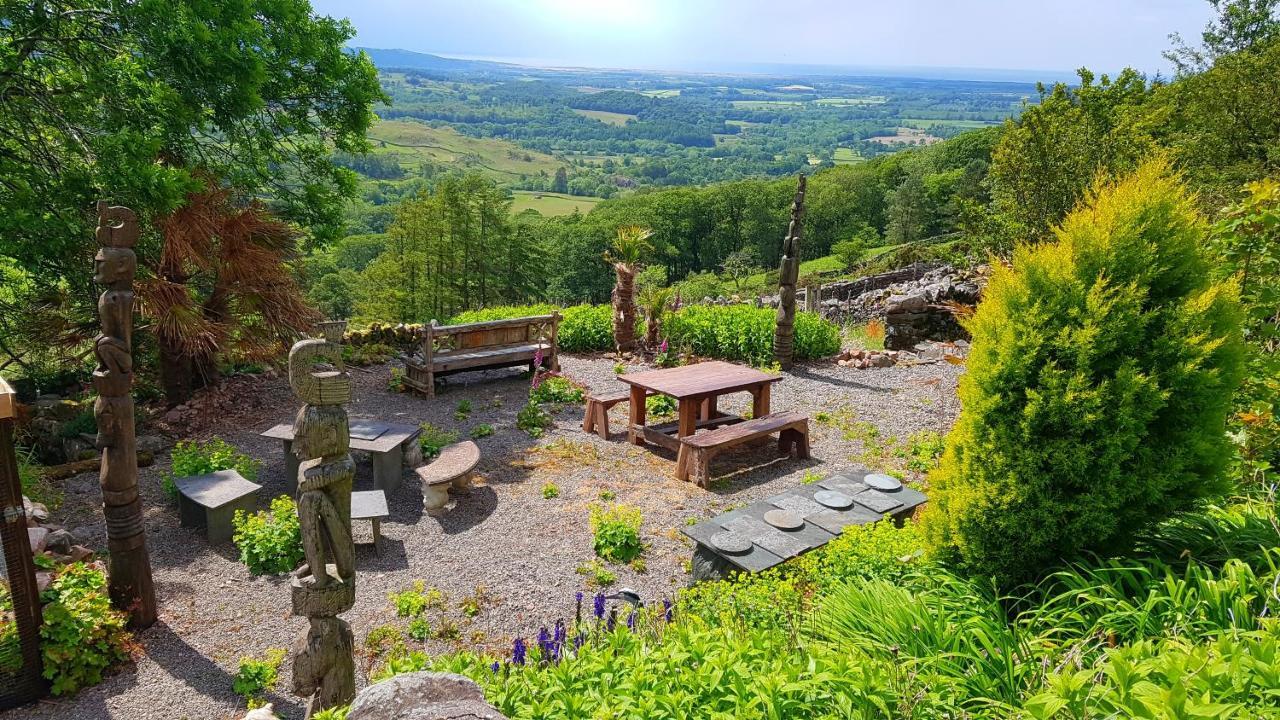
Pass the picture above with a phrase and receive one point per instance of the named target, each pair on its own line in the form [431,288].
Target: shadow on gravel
[739,469]
[390,558]
[468,510]
[809,373]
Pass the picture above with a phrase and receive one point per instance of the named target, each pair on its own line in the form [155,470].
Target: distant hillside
[407,59]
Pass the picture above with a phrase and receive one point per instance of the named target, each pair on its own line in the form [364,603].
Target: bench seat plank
[696,451]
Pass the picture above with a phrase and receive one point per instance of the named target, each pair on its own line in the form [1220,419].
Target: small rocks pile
[57,544]
[866,359]
[921,354]
[49,429]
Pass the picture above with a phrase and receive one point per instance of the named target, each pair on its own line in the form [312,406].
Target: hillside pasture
[413,143]
[551,204]
[604,116]
[906,136]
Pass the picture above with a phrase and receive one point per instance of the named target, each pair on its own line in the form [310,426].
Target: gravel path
[519,549]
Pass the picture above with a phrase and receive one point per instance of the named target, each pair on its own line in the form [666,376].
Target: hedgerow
[745,333]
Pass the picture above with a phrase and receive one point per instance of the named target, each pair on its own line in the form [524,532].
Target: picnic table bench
[746,539]
[696,451]
[453,468]
[449,349]
[385,443]
[211,501]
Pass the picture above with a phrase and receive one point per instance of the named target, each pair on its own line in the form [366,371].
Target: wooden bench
[448,349]
[371,505]
[596,417]
[697,451]
[451,469]
[211,501]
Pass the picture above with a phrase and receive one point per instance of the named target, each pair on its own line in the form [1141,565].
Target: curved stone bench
[452,468]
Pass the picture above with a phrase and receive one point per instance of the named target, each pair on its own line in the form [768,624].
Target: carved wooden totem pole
[325,586]
[129,567]
[788,276]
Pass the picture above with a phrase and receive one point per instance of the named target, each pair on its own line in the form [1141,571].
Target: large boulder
[423,696]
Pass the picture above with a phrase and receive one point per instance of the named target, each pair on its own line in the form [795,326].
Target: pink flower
[663,347]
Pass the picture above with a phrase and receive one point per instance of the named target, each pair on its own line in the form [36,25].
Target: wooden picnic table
[696,389]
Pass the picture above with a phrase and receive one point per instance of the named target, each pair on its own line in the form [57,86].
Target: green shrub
[745,333]
[420,629]
[550,490]
[660,405]
[270,542]
[194,458]
[533,420]
[463,411]
[367,354]
[616,532]
[35,484]
[411,602]
[433,439]
[1098,384]
[255,676]
[586,328]
[501,312]
[549,388]
[82,636]
[482,430]
[598,576]
[84,423]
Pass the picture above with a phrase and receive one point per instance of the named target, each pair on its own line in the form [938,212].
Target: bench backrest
[445,339]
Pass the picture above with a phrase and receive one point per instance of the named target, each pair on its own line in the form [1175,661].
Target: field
[853,101]
[661,93]
[612,118]
[413,143]
[765,104]
[551,204]
[924,124]
[846,156]
[907,136]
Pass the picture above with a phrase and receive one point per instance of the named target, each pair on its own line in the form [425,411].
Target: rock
[881,361]
[38,537]
[64,410]
[177,416]
[906,303]
[36,511]
[60,542]
[266,712]
[153,444]
[80,553]
[43,580]
[423,696]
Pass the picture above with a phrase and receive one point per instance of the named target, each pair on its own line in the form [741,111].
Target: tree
[629,246]
[221,285]
[851,252]
[1099,379]
[654,300]
[561,182]
[908,211]
[1241,26]
[1048,157]
[739,265]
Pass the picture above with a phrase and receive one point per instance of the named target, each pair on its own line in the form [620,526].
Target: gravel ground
[520,550]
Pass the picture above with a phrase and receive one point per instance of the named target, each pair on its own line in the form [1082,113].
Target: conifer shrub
[1099,380]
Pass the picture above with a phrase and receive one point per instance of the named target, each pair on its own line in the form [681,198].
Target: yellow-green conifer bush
[1098,383]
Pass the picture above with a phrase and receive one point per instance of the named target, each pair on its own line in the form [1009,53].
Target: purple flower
[494,667]
[631,621]
[598,609]
[577,615]
[579,640]
[518,650]
[663,347]
[668,609]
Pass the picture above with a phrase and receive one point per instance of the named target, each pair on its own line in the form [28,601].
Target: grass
[660,93]
[604,116]
[846,156]
[926,124]
[413,143]
[551,204]
[853,102]
[765,104]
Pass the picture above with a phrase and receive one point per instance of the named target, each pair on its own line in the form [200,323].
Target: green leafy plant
[552,388]
[745,333]
[194,458]
[533,420]
[412,601]
[433,439]
[619,368]
[1079,351]
[616,532]
[82,636]
[463,411]
[270,542]
[660,406]
[255,676]
[483,430]
[35,484]
[550,490]
[597,575]
[83,423]
[420,629]
[367,354]
[396,382]
[608,495]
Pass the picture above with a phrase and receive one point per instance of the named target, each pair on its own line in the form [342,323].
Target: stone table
[211,501]
[770,546]
[385,443]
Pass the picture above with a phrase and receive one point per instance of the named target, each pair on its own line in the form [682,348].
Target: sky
[729,35]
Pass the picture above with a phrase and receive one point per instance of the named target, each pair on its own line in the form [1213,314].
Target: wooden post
[129,567]
[788,275]
[26,682]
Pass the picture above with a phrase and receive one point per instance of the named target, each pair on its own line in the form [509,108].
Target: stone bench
[697,451]
[452,468]
[371,505]
[596,417]
[211,501]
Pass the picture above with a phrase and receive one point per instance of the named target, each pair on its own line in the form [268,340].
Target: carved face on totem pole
[321,431]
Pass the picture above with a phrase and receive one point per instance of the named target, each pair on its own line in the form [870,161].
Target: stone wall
[916,303]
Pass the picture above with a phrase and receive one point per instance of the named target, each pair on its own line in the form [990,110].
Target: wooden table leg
[760,401]
[709,408]
[637,415]
[688,417]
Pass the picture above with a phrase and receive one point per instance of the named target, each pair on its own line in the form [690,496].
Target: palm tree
[654,301]
[631,244]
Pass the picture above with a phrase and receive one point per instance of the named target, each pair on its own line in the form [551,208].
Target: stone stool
[211,501]
[371,505]
[453,468]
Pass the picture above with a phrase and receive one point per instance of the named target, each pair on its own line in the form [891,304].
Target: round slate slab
[879,481]
[784,519]
[731,542]
[833,499]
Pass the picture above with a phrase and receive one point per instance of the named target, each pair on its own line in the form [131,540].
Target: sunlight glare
[632,14]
